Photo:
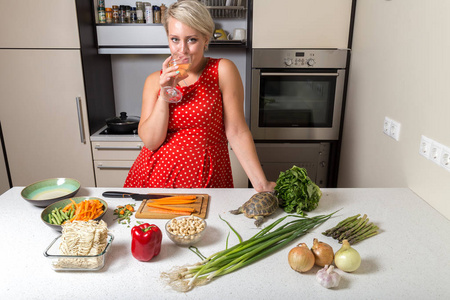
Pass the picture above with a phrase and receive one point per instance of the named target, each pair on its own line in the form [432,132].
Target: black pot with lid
[123,124]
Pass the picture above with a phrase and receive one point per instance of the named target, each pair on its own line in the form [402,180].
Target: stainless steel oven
[295,110]
[297,94]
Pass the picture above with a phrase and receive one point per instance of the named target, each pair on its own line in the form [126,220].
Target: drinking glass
[170,93]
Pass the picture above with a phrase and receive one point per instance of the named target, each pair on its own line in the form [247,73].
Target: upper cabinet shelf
[226,8]
[138,38]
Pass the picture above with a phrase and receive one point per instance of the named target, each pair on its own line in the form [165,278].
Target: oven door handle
[300,74]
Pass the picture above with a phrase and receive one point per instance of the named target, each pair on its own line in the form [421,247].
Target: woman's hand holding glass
[175,71]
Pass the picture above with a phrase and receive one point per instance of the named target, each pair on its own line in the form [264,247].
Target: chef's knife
[135,196]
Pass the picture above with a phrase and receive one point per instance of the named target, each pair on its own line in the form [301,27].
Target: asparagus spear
[354,229]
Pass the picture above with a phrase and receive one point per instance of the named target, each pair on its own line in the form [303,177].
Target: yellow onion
[323,253]
[301,258]
[347,258]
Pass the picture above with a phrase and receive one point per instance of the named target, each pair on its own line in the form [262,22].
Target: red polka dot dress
[195,152]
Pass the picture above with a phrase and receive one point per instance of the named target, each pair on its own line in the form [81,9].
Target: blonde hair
[193,14]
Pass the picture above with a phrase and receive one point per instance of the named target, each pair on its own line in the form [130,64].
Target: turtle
[258,206]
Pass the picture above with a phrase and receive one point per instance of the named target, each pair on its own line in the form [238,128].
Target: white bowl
[186,239]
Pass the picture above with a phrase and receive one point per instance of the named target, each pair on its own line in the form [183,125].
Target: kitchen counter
[407,260]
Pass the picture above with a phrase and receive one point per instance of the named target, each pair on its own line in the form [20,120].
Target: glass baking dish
[60,262]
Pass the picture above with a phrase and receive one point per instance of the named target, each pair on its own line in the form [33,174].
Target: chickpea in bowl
[186,230]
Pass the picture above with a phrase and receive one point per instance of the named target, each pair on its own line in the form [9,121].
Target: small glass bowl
[186,240]
[60,262]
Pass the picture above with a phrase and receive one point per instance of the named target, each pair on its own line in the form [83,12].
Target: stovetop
[102,135]
[107,131]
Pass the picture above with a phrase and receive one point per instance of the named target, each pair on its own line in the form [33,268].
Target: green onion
[266,241]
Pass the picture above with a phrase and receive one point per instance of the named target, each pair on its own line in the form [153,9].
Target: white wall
[130,72]
[400,69]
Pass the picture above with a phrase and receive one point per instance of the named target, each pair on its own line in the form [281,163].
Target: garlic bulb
[327,277]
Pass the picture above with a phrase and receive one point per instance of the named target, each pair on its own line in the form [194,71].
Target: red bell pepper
[146,241]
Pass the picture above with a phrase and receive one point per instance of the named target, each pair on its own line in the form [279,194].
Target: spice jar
[133,17]
[148,14]
[101,15]
[139,6]
[109,15]
[139,16]
[122,14]
[115,13]
[128,13]
[140,12]
[156,14]
[163,11]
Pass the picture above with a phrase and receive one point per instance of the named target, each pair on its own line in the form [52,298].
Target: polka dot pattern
[195,152]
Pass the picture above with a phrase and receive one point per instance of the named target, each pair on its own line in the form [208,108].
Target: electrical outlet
[395,130]
[435,152]
[425,146]
[391,128]
[445,158]
[387,126]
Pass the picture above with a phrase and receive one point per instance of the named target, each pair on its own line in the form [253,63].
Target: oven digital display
[299,54]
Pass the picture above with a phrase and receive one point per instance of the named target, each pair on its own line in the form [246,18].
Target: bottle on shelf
[133,16]
[109,15]
[101,15]
[148,13]
[115,14]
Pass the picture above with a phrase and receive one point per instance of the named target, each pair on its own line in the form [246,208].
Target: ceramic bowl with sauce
[45,192]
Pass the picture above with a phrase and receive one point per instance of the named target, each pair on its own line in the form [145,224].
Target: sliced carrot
[179,197]
[172,202]
[87,210]
[70,205]
[186,209]
[167,211]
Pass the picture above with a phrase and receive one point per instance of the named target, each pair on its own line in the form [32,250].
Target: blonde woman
[186,142]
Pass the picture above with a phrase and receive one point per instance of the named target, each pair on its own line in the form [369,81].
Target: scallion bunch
[268,240]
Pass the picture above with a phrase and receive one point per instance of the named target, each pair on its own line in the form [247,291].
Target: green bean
[60,217]
[58,220]
[61,214]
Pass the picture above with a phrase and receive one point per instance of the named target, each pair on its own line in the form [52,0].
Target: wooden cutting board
[200,205]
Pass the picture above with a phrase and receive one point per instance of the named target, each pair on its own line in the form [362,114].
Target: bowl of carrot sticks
[73,209]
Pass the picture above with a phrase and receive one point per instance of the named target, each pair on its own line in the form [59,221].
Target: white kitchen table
[409,259]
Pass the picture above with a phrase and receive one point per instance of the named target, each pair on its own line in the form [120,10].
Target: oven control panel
[299,62]
[299,58]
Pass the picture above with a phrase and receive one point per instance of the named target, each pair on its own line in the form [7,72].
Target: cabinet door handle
[113,168]
[80,121]
[98,147]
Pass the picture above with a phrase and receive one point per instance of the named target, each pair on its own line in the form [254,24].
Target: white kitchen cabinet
[43,109]
[39,24]
[240,179]
[41,90]
[113,160]
[301,23]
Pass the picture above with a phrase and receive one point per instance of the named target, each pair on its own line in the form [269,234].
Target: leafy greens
[297,192]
